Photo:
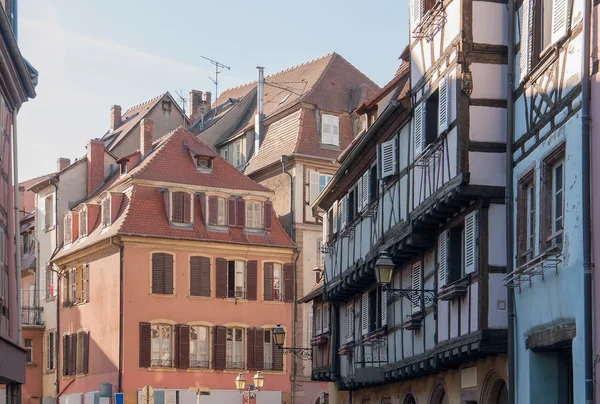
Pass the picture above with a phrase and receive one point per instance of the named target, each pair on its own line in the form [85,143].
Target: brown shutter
[177,207]
[213,210]
[241,213]
[187,208]
[231,215]
[86,283]
[158,273]
[268,214]
[168,274]
[73,357]
[250,357]
[202,200]
[259,348]
[251,279]
[221,278]
[219,347]
[195,276]
[184,346]
[288,276]
[145,345]
[205,276]
[176,346]
[86,352]
[277,358]
[268,283]
[65,354]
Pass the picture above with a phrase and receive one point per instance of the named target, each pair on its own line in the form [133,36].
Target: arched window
[502,397]
[438,396]
[410,399]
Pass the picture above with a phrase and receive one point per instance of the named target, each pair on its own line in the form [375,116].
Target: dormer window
[204,164]
[106,212]
[124,168]
[253,214]
[83,223]
[330,130]
[181,207]
[68,228]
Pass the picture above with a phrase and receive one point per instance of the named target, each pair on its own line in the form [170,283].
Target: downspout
[56,247]
[17,239]
[121,293]
[586,196]
[37,268]
[509,203]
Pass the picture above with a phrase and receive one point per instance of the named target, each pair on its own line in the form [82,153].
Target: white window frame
[234,351]
[558,193]
[324,179]
[161,358]
[254,214]
[267,350]
[225,153]
[331,136]
[237,150]
[66,225]
[52,213]
[50,354]
[106,211]
[199,349]
[240,267]
[29,348]
[277,282]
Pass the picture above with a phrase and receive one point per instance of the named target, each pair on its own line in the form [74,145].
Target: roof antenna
[182,102]
[216,79]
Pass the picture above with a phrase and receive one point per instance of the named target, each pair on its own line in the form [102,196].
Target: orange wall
[33,371]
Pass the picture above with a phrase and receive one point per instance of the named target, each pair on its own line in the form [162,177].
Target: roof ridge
[145,103]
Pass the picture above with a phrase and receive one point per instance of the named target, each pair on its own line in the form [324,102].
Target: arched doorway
[410,399]
[494,390]
[502,395]
[438,396]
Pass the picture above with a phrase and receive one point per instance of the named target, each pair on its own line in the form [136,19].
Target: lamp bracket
[426,297]
[302,353]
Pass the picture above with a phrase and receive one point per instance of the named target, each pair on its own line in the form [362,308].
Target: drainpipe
[37,269]
[512,387]
[586,196]
[17,240]
[58,334]
[294,326]
[121,291]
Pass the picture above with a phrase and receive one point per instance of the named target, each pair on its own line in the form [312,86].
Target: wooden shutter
[176,346]
[268,281]
[187,208]
[158,273]
[66,285]
[470,242]
[202,202]
[416,285]
[277,358]
[443,258]
[526,47]
[145,346]
[231,215]
[184,346]
[350,322]
[560,19]
[219,347]
[365,185]
[221,278]
[168,274]
[213,210]
[443,106]
[65,355]
[326,317]
[73,279]
[383,307]
[268,214]
[204,276]
[195,276]
[250,349]
[288,281]
[325,224]
[417,10]
[241,213]
[359,198]
[259,348]
[86,283]
[418,126]
[251,279]
[177,213]
[86,352]
[335,217]
[313,186]
[388,158]
[344,211]
[68,229]
[73,355]
[364,312]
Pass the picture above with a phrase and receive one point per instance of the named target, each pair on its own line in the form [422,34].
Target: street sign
[147,395]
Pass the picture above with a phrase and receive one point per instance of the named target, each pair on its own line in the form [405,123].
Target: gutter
[11,41]
[121,304]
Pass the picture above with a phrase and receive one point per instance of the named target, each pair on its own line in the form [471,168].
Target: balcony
[365,360]
[31,313]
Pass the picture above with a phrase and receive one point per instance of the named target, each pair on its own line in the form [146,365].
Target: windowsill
[200,297]
[203,170]
[414,321]
[232,370]
[275,302]
[172,296]
[49,371]
[330,147]
[79,375]
[185,226]
[254,231]
[455,289]
[219,228]
[546,58]
[272,372]
[234,300]
[159,369]
[200,370]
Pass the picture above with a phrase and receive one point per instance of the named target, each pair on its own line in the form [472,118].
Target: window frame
[238,154]
[252,221]
[235,285]
[539,49]
[334,121]
[29,349]
[79,357]
[106,218]
[50,351]
[549,236]
[185,194]
[231,364]
[196,363]
[526,222]
[221,210]
[161,343]
[268,347]
[68,228]
[49,215]
[26,242]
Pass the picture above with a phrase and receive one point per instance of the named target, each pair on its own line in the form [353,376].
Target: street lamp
[253,389]
[279,339]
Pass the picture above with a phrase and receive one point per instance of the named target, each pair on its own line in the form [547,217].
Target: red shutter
[231,215]
[195,276]
[213,210]
[288,277]
[86,352]
[205,276]
[73,358]
[221,278]
[268,283]
[241,213]
[177,207]
[176,346]
[168,274]
[277,358]
[202,200]
[250,357]
[145,345]
[184,346]
[65,354]
[268,214]
[158,273]
[259,348]
[219,347]
[251,279]
[187,208]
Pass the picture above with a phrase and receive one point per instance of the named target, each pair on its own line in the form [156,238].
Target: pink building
[173,275]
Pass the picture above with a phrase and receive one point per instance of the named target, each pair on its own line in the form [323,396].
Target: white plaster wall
[489,81]
[487,124]
[487,168]
[497,317]
[520,121]
[404,148]
[490,23]
[497,235]
[465,308]
[474,307]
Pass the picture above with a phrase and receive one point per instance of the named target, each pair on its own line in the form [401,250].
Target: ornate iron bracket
[428,297]
[303,353]
[250,393]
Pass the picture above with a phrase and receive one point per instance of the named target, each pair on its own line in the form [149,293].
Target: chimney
[95,164]
[207,98]
[258,119]
[195,104]
[115,116]
[146,126]
[62,163]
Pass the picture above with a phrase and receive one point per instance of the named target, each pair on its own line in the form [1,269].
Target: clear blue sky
[93,54]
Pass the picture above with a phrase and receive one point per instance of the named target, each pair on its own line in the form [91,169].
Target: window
[235,348]
[29,350]
[26,243]
[200,276]
[330,130]
[273,281]
[106,219]
[431,118]
[526,218]
[217,211]
[268,350]
[162,274]
[76,286]
[419,9]
[323,181]
[181,207]
[236,279]
[321,318]
[199,340]
[83,223]
[75,353]
[68,228]
[204,164]
[458,250]
[225,153]
[239,156]
[317,183]
[49,217]
[123,168]
[557,202]
[221,211]
[50,350]
[161,340]
[552,199]
[542,35]
[373,183]
[51,283]
[253,215]
[456,256]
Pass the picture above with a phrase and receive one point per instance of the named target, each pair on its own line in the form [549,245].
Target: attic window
[181,207]
[106,212]
[83,225]
[204,164]
[284,99]
[124,168]
[166,105]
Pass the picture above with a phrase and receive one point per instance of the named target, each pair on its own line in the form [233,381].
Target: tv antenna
[182,100]
[217,71]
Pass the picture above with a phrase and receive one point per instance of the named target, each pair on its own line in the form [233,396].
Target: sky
[94,54]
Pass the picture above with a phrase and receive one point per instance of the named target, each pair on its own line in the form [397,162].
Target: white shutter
[42,209]
[325,318]
[443,258]
[470,242]
[416,284]
[359,197]
[560,19]
[418,129]
[383,307]
[318,321]
[313,185]
[444,106]
[54,209]
[417,10]
[365,189]
[335,217]
[364,312]
[526,38]
[54,283]
[42,287]
[388,158]
[349,322]
[325,226]
[335,130]
[326,129]
[344,209]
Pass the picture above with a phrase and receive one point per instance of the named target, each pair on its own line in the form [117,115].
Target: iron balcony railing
[31,312]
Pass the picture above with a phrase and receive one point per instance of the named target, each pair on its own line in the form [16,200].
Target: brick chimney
[207,98]
[62,163]
[195,104]
[95,162]
[146,126]
[115,116]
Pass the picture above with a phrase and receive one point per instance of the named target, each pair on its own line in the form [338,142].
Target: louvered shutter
[86,353]
[325,224]
[231,214]
[158,273]
[213,210]
[325,317]
[202,203]
[444,105]
[418,129]
[383,307]
[241,212]
[184,346]
[268,281]
[313,185]
[526,47]
[73,280]
[560,19]
[176,346]
[388,158]
[416,285]
[168,274]
[344,210]
[187,207]
[177,213]
[417,10]
[350,322]
[335,217]
[365,188]
[443,258]
[268,215]
[68,229]
[359,198]
[326,130]
[145,346]
[470,242]
[219,347]
[195,276]
[252,279]
[364,312]
[277,358]
[259,348]
[205,276]
[43,283]
[54,286]
[288,280]
[250,349]
[86,283]
[318,320]
[73,355]
[221,278]
[65,355]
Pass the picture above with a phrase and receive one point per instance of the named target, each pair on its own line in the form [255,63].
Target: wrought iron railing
[199,364]
[235,365]
[372,351]
[30,310]
[162,363]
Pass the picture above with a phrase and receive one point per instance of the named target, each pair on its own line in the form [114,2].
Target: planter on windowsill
[413,321]
[453,291]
